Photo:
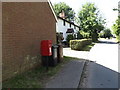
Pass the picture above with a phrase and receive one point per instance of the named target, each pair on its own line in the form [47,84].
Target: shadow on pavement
[107,42]
[100,76]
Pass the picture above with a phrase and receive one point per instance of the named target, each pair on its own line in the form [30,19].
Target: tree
[116,28]
[106,33]
[90,20]
[69,12]
[115,9]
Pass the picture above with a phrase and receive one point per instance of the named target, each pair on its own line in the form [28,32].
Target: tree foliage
[106,33]
[79,36]
[116,27]
[69,12]
[90,20]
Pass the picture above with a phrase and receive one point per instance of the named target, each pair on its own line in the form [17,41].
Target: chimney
[62,14]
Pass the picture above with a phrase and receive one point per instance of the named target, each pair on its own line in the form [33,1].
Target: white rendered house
[66,27]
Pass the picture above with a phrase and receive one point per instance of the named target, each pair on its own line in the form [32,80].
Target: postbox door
[46,48]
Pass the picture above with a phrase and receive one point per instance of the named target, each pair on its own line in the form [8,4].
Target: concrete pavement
[69,76]
[74,53]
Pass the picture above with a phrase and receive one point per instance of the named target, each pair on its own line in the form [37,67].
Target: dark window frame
[70,24]
[64,22]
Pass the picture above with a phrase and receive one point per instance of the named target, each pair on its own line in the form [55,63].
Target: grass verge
[35,78]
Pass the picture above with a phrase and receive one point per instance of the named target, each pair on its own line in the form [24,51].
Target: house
[24,25]
[66,27]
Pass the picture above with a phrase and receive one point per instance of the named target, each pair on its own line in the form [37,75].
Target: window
[74,27]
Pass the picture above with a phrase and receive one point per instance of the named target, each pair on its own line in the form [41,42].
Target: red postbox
[46,46]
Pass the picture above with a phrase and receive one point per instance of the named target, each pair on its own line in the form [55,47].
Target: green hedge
[79,44]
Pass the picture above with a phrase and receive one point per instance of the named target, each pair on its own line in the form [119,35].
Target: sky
[105,7]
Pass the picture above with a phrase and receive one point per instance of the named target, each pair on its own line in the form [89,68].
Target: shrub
[79,35]
[118,39]
[69,37]
[79,44]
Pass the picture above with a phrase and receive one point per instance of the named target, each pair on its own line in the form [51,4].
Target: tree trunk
[94,37]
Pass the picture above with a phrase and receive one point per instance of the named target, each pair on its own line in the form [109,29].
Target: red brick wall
[24,26]
[0,43]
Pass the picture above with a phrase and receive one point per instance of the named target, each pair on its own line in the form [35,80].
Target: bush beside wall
[79,44]
[69,37]
[118,38]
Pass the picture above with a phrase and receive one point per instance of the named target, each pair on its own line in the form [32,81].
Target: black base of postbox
[51,60]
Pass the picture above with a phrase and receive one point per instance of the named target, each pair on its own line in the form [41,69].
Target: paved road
[106,54]
[103,73]
[98,76]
